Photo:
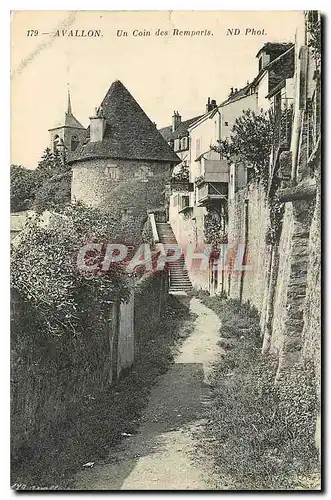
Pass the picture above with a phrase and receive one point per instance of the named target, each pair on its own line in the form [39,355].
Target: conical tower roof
[129,133]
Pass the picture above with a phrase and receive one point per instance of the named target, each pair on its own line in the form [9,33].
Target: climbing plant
[315,39]
[214,234]
[182,175]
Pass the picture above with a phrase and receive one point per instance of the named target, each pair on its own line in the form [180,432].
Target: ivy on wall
[315,37]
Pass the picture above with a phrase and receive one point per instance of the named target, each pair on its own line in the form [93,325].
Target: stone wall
[248,220]
[298,271]
[294,310]
[282,280]
[93,181]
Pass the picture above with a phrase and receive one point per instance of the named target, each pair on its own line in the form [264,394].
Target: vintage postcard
[165,250]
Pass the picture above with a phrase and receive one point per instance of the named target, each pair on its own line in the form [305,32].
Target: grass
[261,436]
[96,425]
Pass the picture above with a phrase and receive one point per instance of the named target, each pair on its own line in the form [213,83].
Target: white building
[203,200]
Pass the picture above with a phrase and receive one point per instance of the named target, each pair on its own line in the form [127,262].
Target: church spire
[69,111]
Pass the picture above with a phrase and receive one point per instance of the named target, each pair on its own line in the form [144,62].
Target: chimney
[211,104]
[176,120]
[231,91]
[97,125]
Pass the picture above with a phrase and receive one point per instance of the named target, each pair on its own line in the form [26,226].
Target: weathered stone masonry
[93,181]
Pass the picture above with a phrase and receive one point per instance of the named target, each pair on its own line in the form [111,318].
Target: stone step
[179,278]
[179,282]
[180,289]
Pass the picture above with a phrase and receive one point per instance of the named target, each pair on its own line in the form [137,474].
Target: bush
[260,434]
[61,322]
[22,188]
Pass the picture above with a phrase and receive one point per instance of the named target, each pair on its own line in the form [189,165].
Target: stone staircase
[179,280]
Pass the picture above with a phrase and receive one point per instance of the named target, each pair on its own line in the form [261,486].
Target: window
[74,143]
[55,143]
[177,145]
[143,173]
[226,124]
[112,172]
[176,200]
[184,143]
[197,148]
[184,202]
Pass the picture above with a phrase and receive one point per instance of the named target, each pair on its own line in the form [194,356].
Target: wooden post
[271,299]
[113,340]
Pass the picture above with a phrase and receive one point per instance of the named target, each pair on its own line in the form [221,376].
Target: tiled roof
[69,121]
[129,133]
[275,48]
[280,50]
[237,95]
[181,130]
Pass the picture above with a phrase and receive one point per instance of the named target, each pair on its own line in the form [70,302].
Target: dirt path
[162,454]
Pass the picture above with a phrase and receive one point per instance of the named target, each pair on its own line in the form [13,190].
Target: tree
[22,188]
[46,187]
[53,176]
[51,163]
[54,192]
[251,141]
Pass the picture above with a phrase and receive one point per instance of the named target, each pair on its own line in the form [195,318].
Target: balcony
[184,204]
[213,171]
[208,192]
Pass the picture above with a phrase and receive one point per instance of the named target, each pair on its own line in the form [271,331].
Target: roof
[211,154]
[128,134]
[181,130]
[280,50]
[274,48]
[237,95]
[279,68]
[69,119]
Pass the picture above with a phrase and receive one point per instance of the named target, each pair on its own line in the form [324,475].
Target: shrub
[260,434]
[61,320]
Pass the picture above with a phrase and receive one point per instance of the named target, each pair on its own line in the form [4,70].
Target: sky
[163,73]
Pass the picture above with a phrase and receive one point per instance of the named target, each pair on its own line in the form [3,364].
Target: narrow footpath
[163,454]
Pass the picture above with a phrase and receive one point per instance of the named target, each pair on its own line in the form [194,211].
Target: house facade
[202,204]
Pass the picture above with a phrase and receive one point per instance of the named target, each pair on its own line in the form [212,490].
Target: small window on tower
[112,172]
[74,142]
[55,142]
